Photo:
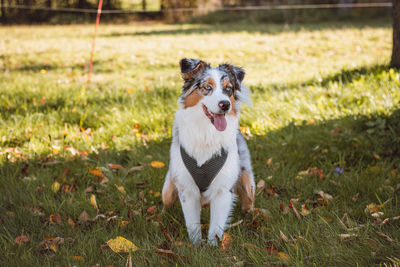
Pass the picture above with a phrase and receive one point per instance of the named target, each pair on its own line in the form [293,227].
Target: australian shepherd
[209,158]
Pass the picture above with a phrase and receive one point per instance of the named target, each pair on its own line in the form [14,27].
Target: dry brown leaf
[136,168]
[269,161]
[261,184]
[115,166]
[55,218]
[151,209]
[84,217]
[22,239]
[283,236]
[355,197]
[226,242]
[385,236]
[294,209]
[71,222]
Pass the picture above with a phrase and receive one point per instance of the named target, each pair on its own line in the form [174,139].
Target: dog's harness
[205,174]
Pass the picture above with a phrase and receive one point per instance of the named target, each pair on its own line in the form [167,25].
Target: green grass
[323,99]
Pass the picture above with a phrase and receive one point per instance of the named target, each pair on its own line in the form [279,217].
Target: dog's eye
[208,87]
[228,89]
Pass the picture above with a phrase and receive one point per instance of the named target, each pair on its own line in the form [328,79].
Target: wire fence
[233,8]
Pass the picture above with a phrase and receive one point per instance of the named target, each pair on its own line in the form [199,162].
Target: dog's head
[216,89]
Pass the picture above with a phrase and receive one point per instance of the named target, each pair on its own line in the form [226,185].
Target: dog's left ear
[236,73]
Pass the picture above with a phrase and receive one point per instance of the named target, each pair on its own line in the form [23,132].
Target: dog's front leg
[190,202]
[220,205]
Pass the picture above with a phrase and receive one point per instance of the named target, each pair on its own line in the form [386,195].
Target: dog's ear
[236,73]
[191,67]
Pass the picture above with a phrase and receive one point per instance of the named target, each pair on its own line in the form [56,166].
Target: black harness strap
[205,174]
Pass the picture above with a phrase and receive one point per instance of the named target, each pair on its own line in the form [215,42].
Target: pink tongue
[220,122]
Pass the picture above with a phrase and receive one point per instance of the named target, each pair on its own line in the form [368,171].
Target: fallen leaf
[55,187]
[55,218]
[78,258]
[282,255]
[304,210]
[283,236]
[115,166]
[269,161]
[93,201]
[136,168]
[157,164]
[272,250]
[120,244]
[284,209]
[129,261]
[71,222]
[261,184]
[325,195]
[22,239]
[151,209]
[120,189]
[226,241]
[385,236]
[84,217]
[355,197]
[347,236]
[124,223]
[294,209]
[96,172]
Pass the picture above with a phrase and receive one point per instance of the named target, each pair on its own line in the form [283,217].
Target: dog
[209,158]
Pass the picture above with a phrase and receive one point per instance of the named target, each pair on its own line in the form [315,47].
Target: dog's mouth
[218,120]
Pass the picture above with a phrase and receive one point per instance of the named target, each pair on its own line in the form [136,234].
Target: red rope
[94,38]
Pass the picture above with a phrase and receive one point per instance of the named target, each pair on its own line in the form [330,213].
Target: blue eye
[228,89]
[208,87]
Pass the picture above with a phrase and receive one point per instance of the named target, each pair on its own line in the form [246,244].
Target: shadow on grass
[163,94]
[262,28]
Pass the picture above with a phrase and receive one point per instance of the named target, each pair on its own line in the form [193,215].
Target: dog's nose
[224,105]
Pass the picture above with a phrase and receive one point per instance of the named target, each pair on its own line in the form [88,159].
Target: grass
[325,117]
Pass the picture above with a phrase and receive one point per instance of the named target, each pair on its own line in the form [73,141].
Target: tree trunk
[144,5]
[395,62]
[3,11]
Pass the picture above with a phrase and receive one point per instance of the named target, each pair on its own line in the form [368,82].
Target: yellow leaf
[304,210]
[121,189]
[157,164]
[78,258]
[55,186]
[282,255]
[157,194]
[53,247]
[93,201]
[96,172]
[43,71]
[120,244]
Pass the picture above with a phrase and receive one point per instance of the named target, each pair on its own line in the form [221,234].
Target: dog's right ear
[191,67]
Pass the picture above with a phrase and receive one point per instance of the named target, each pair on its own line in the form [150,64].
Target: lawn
[76,159]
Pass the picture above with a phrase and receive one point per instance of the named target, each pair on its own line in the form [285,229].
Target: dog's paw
[213,242]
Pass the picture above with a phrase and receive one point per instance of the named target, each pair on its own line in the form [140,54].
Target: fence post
[94,38]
